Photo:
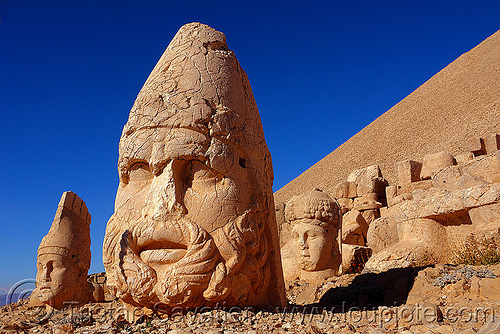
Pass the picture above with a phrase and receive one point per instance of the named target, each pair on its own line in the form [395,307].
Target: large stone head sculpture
[316,220]
[64,256]
[194,219]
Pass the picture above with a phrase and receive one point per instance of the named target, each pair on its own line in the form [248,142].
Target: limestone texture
[434,163]
[194,222]
[63,258]
[409,171]
[354,228]
[354,258]
[449,222]
[492,143]
[436,299]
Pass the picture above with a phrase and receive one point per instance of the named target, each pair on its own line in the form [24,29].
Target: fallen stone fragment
[409,171]
[492,143]
[434,163]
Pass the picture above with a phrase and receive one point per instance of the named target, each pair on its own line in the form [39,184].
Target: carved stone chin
[194,221]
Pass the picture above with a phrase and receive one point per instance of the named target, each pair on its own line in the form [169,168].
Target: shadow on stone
[372,290]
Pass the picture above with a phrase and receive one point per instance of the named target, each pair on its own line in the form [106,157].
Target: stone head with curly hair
[316,221]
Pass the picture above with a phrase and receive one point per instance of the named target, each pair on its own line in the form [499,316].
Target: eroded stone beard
[235,270]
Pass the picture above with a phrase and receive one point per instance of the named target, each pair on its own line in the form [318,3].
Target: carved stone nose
[167,191]
[46,274]
[302,243]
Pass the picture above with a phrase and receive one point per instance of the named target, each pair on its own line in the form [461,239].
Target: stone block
[371,172]
[409,171]
[486,217]
[391,191]
[492,143]
[285,233]
[370,215]
[354,228]
[345,190]
[443,205]
[368,180]
[345,204]
[464,157]
[382,233]
[384,211]
[401,198]
[306,296]
[376,185]
[368,201]
[434,163]
[490,289]
[279,208]
[425,229]
[477,146]
[486,168]
[411,187]
[421,194]
[354,258]
[463,182]
[291,270]
[479,171]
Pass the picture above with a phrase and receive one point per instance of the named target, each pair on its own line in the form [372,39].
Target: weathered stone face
[56,278]
[315,219]
[64,256]
[194,220]
[313,245]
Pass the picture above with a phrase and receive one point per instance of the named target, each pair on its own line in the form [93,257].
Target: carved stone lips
[162,256]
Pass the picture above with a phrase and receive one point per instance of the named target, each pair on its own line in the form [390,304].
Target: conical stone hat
[69,234]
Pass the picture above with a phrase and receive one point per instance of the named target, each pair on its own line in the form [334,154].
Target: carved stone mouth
[162,255]
[305,254]
[161,252]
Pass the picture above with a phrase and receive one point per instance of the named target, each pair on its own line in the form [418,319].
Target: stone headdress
[69,234]
[316,205]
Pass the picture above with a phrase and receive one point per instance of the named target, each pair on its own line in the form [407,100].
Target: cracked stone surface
[442,224]
[194,221]
[63,258]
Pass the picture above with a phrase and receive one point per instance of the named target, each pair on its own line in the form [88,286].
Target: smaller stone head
[315,219]
[64,255]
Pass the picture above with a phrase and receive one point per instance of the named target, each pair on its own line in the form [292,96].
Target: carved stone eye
[139,172]
[243,163]
[199,174]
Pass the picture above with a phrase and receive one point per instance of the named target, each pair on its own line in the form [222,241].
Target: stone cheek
[313,246]
[194,219]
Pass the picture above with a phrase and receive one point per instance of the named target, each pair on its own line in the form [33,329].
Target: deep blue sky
[320,72]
